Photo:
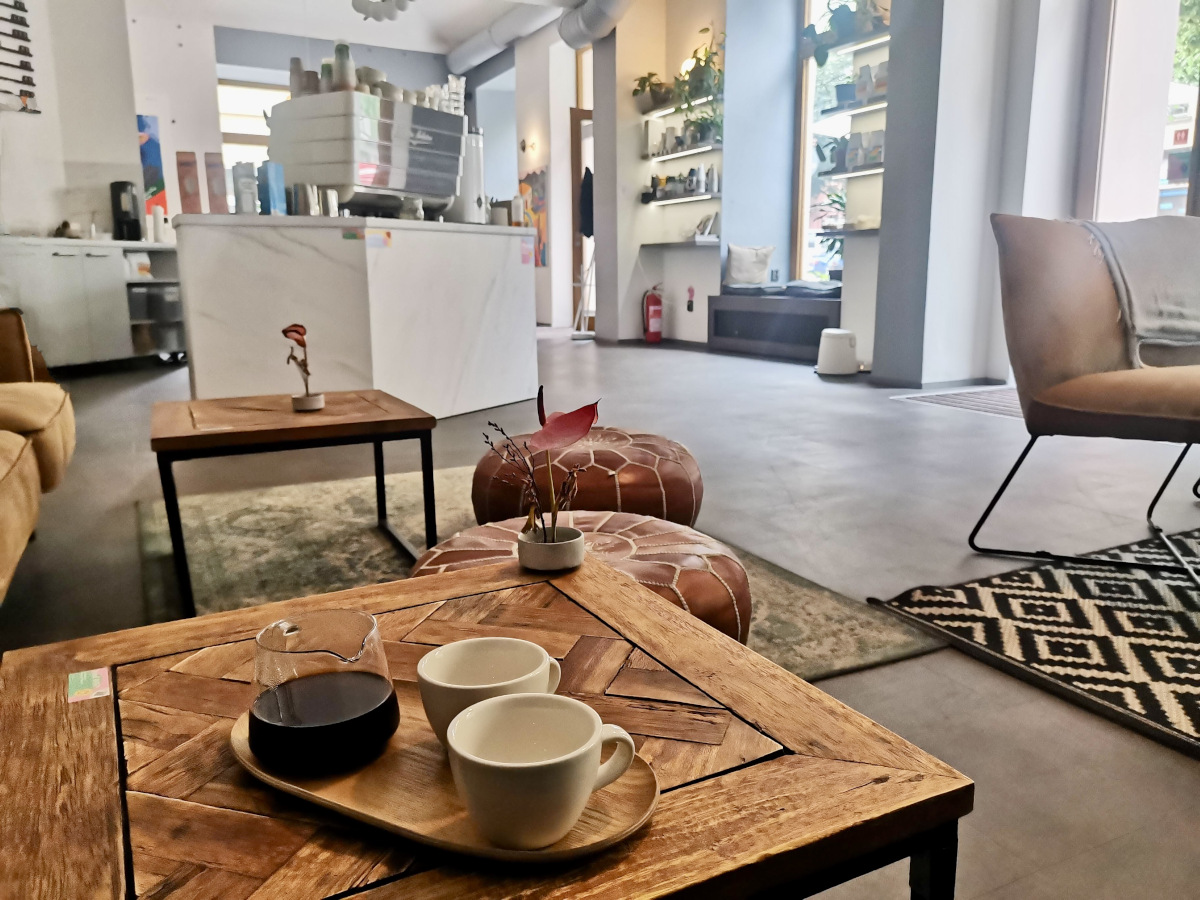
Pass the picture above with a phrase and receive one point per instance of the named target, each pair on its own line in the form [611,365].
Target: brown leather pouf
[623,472]
[690,569]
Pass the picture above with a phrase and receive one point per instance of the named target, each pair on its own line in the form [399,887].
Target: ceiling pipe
[593,20]
[512,26]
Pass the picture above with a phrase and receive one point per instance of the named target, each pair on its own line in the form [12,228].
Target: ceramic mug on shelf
[456,675]
[525,765]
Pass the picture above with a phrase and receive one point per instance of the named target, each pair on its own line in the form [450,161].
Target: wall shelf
[857,173]
[689,199]
[662,245]
[862,42]
[873,106]
[691,151]
[847,232]
[856,43]
[664,111]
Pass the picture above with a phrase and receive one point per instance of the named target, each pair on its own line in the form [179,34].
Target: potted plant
[843,19]
[834,215]
[706,126]
[651,92]
[848,19]
[544,545]
[702,76]
[308,401]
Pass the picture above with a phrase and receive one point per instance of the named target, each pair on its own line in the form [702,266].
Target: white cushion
[748,265]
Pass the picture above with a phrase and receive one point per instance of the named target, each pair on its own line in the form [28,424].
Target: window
[244,131]
[1175,174]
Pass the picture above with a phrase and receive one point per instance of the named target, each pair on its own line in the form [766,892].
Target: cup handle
[621,759]
[554,676]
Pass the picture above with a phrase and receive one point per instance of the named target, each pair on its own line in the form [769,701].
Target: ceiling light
[380,9]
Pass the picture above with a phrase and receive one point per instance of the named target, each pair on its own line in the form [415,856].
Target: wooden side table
[770,788]
[200,429]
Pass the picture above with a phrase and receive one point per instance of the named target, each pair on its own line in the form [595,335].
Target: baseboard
[694,346]
[885,382]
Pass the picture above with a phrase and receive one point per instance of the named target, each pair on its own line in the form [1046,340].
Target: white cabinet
[47,285]
[74,295]
[104,278]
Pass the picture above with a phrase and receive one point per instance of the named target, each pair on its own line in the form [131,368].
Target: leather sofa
[37,440]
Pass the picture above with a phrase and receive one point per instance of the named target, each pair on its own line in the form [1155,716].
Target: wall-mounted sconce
[531,145]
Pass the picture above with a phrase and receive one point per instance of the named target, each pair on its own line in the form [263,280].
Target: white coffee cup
[526,764]
[454,676]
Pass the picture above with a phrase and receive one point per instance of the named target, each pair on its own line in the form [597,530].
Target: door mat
[995,401]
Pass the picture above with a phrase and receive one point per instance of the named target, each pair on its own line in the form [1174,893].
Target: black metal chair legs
[1181,568]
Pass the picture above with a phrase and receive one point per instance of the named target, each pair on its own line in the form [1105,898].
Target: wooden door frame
[578,117]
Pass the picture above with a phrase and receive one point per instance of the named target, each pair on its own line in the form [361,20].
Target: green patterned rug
[254,547]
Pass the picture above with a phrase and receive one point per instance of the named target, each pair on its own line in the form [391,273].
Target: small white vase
[565,553]
[308,402]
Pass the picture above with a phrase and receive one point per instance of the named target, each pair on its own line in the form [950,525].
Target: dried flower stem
[521,459]
[553,499]
[302,365]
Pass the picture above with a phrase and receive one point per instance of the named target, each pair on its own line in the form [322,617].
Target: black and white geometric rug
[1122,642]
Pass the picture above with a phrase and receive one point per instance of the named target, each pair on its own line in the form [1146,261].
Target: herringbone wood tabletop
[144,798]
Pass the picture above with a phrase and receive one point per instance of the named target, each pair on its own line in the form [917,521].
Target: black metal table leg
[931,871]
[431,537]
[381,507]
[175,524]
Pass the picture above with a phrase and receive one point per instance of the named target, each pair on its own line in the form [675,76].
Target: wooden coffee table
[768,783]
[198,429]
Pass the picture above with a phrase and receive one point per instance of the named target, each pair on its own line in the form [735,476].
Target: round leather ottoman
[622,471]
[688,568]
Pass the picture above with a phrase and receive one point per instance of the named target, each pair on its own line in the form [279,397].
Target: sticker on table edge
[88,685]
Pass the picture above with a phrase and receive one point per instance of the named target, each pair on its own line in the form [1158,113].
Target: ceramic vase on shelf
[553,556]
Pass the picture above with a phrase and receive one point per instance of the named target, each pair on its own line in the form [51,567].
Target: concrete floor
[831,479]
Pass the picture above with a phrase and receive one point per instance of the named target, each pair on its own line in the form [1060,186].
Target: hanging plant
[702,74]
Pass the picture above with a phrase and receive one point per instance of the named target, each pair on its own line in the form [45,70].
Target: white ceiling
[435,26]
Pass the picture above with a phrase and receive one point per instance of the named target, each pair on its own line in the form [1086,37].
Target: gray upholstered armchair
[1070,355]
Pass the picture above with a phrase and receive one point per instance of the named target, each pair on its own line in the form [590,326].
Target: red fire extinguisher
[652,306]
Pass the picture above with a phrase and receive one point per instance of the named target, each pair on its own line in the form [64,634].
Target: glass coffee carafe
[325,701]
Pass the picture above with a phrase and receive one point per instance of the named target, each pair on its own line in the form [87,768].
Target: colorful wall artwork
[533,192]
[153,181]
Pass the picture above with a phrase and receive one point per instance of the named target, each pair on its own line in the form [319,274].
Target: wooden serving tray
[409,791]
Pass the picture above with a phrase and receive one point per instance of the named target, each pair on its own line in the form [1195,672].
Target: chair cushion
[19,492]
[1147,404]
[688,568]
[43,412]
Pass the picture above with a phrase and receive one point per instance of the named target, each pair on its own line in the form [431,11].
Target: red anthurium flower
[564,429]
[296,333]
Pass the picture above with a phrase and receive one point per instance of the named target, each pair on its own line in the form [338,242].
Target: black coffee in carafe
[324,723]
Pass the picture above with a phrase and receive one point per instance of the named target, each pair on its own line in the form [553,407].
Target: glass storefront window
[1179,131]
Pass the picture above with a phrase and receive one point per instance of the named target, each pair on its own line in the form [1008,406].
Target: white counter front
[441,315]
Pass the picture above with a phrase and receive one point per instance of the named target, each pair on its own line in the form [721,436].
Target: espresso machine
[127,220]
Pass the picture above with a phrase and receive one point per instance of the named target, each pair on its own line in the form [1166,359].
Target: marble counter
[441,315]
